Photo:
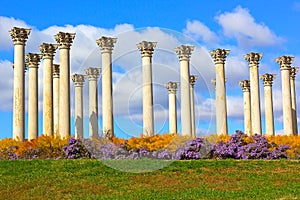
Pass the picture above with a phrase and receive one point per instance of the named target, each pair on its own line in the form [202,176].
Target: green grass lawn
[203,179]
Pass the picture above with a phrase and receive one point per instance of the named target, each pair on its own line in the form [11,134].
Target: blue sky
[242,26]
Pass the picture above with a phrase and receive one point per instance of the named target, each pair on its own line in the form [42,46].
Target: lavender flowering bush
[76,149]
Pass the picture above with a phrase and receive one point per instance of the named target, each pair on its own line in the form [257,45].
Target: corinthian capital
[172,87]
[245,84]
[294,71]
[33,59]
[93,73]
[285,62]
[146,48]
[19,35]
[253,58]
[268,79]
[106,44]
[184,52]
[193,79]
[219,55]
[55,71]
[78,80]
[64,40]
[48,50]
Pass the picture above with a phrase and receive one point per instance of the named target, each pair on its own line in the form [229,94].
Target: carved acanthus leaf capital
[78,80]
[294,71]
[106,44]
[253,58]
[268,79]
[193,79]
[64,40]
[56,71]
[19,35]
[146,48]
[33,59]
[219,55]
[48,50]
[245,84]
[172,87]
[184,52]
[93,73]
[285,62]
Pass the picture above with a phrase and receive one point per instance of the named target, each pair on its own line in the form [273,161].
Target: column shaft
[193,79]
[269,110]
[172,113]
[56,100]
[33,103]
[78,113]
[293,73]
[287,103]
[247,113]
[93,108]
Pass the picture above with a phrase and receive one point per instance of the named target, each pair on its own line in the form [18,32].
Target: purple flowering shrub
[76,149]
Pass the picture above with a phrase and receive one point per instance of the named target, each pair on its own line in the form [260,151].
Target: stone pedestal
[32,61]
[106,45]
[55,100]
[172,88]
[48,51]
[93,75]
[193,79]
[285,67]
[184,53]
[78,80]
[293,73]
[245,84]
[19,37]
[146,49]
[253,61]
[64,41]
[219,56]
[269,117]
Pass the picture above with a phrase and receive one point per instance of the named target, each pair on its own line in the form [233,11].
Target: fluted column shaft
[56,100]
[172,88]
[193,79]
[245,84]
[293,73]
[19,37]
[219,56]
[106,44]
[65,41]
[146,49]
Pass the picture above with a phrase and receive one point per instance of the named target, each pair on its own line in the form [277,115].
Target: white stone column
[48,51]
[106,45]
[184,53]
[293,73]
[219,56]
[172,88]
[64,41]
[146,49]
[253,61]
[19,37]
[56,100]
[78,80]
[93,75]
[32,61]
[193,79]
[285,67]
[245,84]
[268,97]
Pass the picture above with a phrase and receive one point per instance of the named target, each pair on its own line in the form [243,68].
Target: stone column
[293,72]
[172,88]
[48,51]
[32,61]
[147,49]
[219,56]
[64,41]
[184,53]
[93,75]
[193,79]
[285,67]
[106,45]
[245,84]
[269,116]
[19,37]
[253,61]
[55,99]
[78,80]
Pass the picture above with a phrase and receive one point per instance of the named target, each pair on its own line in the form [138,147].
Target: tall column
[19,37]
[193,79]
[172,88]
[32,61]
[184,53]
[294,71]
[146,49]
[93,74]
[285,67]
[64,41]
[55,100]
[269,117]
[245,84]
[106,45]
[253,61]
[78,80]
[219,56]
[48,51]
